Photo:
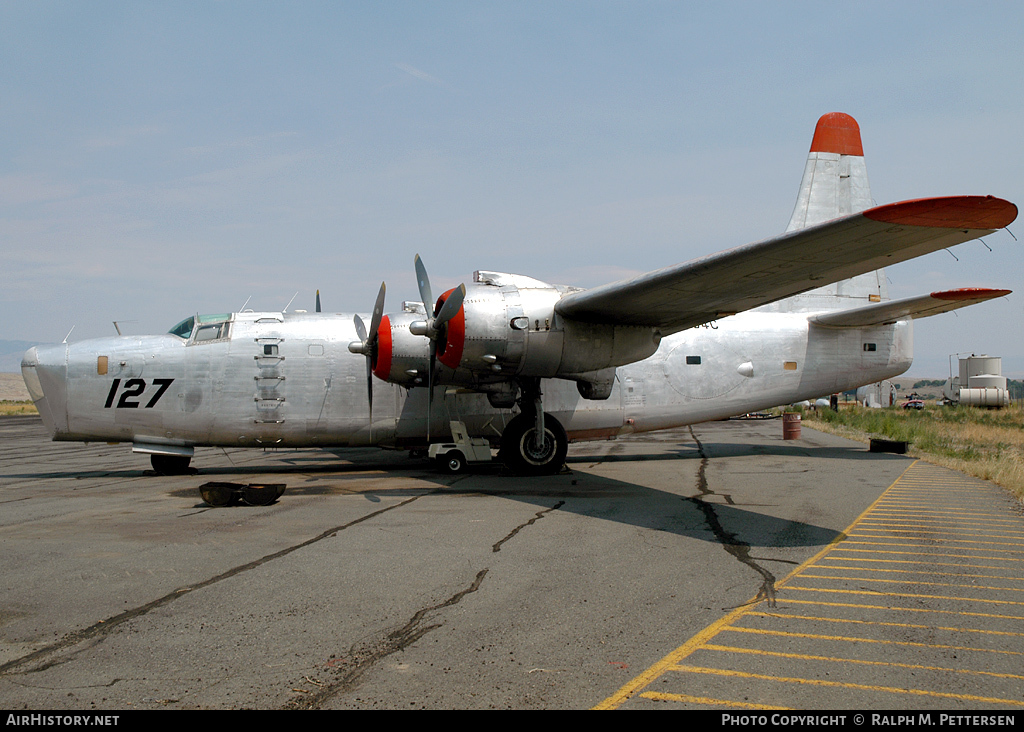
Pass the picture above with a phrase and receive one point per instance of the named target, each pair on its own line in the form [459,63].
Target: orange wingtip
[970,293]
[950,212]
[837,132]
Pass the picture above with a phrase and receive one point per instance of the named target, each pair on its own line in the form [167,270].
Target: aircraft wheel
[521,455]
[452,462]
[170,464]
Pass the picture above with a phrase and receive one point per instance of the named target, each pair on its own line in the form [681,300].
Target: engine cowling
[402,358]
[507,327]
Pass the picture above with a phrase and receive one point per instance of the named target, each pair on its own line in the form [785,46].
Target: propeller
[434,326]
[318,301]
[367,345]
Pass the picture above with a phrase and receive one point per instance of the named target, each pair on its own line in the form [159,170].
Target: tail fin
[835,184]
[835,179]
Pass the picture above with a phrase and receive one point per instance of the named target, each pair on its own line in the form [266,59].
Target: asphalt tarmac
[714,567]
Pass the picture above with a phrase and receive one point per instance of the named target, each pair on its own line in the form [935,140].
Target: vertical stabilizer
[835,184]
[835,181]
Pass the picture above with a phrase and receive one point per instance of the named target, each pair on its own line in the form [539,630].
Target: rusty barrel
[791,426]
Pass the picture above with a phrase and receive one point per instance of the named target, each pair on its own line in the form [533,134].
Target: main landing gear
[533,443]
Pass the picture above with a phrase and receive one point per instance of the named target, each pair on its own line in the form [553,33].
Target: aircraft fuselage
[289,380]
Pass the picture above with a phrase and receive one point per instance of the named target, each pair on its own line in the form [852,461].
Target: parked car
[914,404]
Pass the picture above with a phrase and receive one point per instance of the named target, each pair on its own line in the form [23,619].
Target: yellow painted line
[910,582]
[662,696]
[937,532]
[879,641]
[793,601]
[635,685]
[911,561]
[930,540]
[936,535]
[930,554]
[847,685]
[876,520]
[906,594]
[952,552]
[921,571]
[854,621]
[868,525]
[855,661]
[941,516]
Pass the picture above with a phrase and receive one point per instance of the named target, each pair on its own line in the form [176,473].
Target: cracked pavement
[376,583]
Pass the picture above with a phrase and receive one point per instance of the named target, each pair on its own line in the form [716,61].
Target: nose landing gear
[170,464]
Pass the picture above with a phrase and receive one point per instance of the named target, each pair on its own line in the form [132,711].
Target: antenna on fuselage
[117,325]
[290,302]
[68,335]
[242,309]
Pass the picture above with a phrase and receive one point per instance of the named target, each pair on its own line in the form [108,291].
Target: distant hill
[11,353]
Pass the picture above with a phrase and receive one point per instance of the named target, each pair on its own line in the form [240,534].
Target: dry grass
[8,408]
[985,443]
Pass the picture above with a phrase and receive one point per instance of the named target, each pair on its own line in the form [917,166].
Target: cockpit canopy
[202,328]
[184,328]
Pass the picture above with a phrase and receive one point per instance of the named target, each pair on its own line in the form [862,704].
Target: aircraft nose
[44,369]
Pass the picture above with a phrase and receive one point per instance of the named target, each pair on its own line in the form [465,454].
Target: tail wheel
[523,457]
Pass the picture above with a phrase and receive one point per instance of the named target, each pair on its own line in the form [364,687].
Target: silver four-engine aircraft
[532,366]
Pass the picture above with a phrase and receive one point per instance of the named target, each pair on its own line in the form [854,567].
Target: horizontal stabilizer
[914,307]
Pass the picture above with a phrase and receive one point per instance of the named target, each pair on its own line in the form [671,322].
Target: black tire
[452,462]
[170,464]
[521,456]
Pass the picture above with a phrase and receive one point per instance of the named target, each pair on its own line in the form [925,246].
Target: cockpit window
[184,328]
[203,328]
[212,328]
[212,332]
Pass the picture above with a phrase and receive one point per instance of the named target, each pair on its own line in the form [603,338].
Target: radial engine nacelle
[507,328]
[401,357]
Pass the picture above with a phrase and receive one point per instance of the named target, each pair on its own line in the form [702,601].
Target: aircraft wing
[713,287]
[915,307]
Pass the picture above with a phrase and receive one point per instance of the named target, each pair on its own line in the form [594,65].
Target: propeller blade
[378,313]
[318,301]
[368,344]
[423,282]
[430,383]
[451,306]
[435,323]
[369,392]
[360,328]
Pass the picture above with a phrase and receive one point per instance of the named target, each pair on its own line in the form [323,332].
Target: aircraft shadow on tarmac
[707,517]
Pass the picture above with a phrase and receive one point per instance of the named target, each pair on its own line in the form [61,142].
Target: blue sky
[159,159]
